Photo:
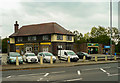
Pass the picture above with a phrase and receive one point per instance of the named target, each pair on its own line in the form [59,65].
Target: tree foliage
[4,45]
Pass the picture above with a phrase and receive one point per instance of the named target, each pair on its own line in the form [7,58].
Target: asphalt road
[99,72]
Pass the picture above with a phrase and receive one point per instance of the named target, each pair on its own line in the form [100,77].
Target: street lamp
[111,28]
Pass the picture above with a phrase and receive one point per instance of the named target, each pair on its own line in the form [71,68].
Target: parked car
[63,55]
[81,54]
[11,58]
[30,57]
[46,56]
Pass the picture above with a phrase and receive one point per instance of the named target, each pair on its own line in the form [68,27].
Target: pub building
[36,38]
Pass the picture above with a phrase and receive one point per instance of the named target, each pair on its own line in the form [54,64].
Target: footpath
[54,65]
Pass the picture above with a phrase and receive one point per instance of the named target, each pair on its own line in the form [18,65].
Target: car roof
[44,52]
[29,53]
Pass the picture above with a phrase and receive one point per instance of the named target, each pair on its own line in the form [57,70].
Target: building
[40,37]
[94,48]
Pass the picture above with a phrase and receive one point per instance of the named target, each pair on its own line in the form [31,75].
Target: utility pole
[111,28]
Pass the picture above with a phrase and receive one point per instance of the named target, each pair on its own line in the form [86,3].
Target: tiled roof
[40,29]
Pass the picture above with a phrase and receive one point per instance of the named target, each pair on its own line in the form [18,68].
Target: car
[63,55]
[11,58]
[30,57]
[81,54]
[46,56]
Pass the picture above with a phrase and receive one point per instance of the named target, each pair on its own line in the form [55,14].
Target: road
[99,72]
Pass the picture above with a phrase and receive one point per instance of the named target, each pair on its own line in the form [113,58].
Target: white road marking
[118,67]
[46,74]
[41,78]
[78,72]
[95,68]
[8,77]
[75,79]
[103,70]
[58,72]
[31,74]
[113,74]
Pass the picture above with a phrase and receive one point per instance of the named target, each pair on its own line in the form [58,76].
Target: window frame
[59,37]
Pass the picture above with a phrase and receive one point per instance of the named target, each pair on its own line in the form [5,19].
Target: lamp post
[111,28]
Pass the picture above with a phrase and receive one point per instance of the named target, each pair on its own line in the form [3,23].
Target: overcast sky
[81,16]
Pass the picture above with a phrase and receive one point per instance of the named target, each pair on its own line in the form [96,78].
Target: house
[40,37]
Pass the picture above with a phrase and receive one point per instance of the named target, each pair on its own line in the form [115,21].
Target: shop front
[93,48]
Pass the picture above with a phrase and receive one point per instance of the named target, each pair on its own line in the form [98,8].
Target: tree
[4,45]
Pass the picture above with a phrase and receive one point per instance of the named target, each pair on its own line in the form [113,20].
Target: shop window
[19,39]
[69,38]
[31,38]
[45,37]
[35,47]
[59,37]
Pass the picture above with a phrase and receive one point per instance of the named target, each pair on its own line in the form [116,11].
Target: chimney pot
[16,26]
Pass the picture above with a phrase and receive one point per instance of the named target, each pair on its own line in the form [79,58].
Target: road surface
[99,72]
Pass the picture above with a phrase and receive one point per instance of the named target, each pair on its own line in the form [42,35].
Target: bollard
[68,59]
[106,58]
[41,60]
[96,58]
[115,58]
[84,58]
[51,60]
[17,61]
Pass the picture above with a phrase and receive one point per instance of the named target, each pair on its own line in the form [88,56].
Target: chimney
[16,26]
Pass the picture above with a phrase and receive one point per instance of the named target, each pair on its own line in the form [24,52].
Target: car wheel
[54,61]
[44,60]
[26,61]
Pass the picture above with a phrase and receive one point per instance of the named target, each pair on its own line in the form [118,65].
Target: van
[63,55]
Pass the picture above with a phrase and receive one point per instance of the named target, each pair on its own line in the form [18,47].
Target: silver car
[46,56]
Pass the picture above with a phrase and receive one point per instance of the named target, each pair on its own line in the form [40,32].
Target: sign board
[106,46]
[93,44]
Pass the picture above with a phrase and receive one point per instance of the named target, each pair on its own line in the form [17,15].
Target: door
[45,49]
[28,49]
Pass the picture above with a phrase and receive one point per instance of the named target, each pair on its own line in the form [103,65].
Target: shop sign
[106,46]
[47,43]
[93,44]
[19,44]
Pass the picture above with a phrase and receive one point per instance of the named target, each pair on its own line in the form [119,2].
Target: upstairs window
[69,38]
[19,39]
[31,38]
[59,37]
[45,37]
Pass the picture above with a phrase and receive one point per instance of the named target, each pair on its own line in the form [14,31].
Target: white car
[30,57]
[46,56]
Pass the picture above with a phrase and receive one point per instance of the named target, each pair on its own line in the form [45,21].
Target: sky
[74,15]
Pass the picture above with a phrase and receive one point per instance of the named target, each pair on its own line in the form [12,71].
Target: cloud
[81,16]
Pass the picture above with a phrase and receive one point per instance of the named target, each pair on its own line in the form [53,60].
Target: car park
[46,56]
[30,57]
[63,55]
[11,58]
[81,54]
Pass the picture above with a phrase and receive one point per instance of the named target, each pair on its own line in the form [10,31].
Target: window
[45,37]
[19,39]
[31,38]
[59,37]
[69,38]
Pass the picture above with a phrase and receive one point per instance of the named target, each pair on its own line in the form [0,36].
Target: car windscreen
[71,53]
[14,54]
[48,54]
[30,55]
[85,53]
